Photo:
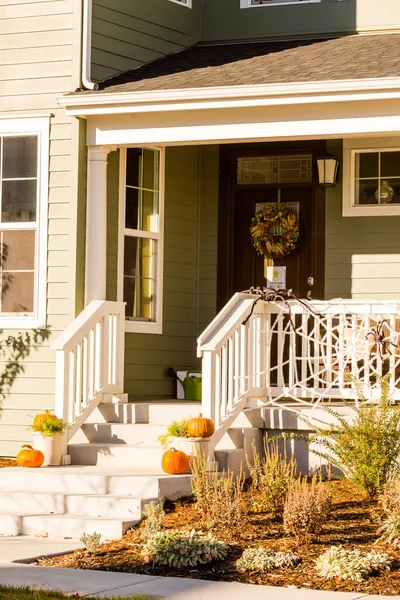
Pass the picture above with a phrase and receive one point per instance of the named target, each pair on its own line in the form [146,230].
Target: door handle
[310,281]
[309,295]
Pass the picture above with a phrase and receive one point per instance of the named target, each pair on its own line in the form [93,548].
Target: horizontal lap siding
[128,34]
[362,253]
[36,66]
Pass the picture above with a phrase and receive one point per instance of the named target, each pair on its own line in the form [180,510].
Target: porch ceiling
[259,63]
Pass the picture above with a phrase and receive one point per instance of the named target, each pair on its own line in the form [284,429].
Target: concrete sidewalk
[101,583]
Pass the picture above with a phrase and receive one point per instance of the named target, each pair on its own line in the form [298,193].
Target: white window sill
[188,5]
[247,4]
[380,210]
[21,323]
[143,327]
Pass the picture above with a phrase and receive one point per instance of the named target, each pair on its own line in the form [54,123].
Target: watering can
[191,384]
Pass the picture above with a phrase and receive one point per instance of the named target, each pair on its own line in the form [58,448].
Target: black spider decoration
[380,339]
[272,295]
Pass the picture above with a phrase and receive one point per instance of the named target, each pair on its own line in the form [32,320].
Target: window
[187,3]
[252,3]
[274,169]
[371,179]
[23,221]
[141,238]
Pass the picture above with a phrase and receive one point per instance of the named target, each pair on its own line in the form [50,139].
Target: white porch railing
[89,361]
[304,352]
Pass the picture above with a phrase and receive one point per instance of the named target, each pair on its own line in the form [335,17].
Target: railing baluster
[78,380]
[224,387]
[280,378]
[230,373]
[71,387]
[236,371]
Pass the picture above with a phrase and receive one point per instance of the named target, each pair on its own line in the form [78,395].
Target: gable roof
[202,66]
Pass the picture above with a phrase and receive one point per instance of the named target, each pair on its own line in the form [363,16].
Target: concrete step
[116,455]
[158,412]
[82,480]
[119,433]
[93,505]
[71,526]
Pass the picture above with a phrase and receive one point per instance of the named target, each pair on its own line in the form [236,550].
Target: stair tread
[93,470]
[66,516]
[140,445]
[71,494]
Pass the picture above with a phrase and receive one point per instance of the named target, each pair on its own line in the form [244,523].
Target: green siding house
[138,140]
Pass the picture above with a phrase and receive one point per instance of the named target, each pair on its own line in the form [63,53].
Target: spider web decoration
[313,351]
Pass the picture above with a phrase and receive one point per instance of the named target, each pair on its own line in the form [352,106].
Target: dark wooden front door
[248,266]
[239,266]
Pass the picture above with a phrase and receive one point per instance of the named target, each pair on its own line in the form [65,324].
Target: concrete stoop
[116,469]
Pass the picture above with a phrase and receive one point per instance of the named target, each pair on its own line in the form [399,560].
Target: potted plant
[189,435]
[48,436]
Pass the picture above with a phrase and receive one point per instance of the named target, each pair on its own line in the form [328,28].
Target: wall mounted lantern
[327,170]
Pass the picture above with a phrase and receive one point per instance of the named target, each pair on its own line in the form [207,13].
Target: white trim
[350,148]
[188,3]
[138,326]
[87,46]
[39,126]
[232,96]
[250,4]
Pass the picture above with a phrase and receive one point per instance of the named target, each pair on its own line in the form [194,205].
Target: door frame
[229,154]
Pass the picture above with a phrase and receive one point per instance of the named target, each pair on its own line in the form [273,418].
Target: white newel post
[96,224]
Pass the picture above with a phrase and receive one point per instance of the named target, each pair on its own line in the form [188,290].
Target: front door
[248,266]
[241,195]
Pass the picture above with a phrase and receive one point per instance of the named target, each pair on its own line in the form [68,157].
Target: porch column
[96,224]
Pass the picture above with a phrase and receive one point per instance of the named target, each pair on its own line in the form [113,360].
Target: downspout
[87,46]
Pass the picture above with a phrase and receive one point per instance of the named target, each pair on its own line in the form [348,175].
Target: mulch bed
[353,524]
[7,462]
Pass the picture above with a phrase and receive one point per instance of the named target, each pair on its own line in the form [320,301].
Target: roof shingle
[251,63]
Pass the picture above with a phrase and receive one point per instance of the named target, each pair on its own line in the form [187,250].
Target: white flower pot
[51,446]
[194,446]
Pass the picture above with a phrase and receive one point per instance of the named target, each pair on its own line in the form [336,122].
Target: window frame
[187,4]
[350,149]
[40,127]
[249,3]
[139,326]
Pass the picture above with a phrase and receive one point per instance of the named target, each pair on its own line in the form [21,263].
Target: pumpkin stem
[172,450]
[200,415]
[27,446]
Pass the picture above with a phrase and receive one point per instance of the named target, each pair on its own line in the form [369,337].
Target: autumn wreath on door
[274,231]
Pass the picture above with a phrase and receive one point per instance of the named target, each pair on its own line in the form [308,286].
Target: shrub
[272,476]
[307,508]
[48,424]
[155,515]
[351,564]
[219,496]
[92,541]
[390,503]
[367,450]
[183,548]
[262,560]
[176,429]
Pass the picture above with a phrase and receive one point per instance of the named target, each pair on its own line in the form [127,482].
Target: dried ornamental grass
[183,548]
[307,509]
[351,565]
[389,501]
[272,476]
[155,515]
[262,560]
[219,496]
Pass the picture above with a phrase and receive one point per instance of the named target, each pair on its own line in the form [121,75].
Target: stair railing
[296,353]
[89,362]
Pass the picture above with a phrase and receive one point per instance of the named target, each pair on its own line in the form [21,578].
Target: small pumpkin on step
[28,457]
[174,462]
[200,427]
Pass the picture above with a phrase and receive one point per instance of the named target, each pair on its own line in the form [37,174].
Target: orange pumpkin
[174,462]
[30,457]
[200,427]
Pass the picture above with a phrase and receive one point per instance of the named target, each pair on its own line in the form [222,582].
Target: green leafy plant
[272,476]
[390,503]
[155,515]
[351,564]
[48,424]
[92,541]
[219,496]
[262,560]
[307,509]
[183,548]
[174,430]
[366,449]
